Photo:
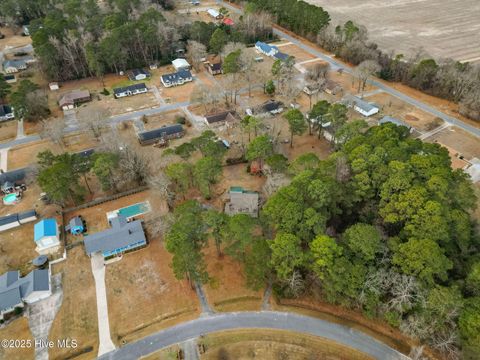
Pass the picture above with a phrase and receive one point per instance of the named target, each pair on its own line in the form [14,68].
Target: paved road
[260,320]
[337,65]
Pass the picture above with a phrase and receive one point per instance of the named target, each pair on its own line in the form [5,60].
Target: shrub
[180,120]
[105,92]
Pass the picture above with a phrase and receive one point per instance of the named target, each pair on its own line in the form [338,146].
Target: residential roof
[223,116]
[213,12]
[215,66]
[228,21]
[173,77]
[180,63]
[27,214]
[40,260]
[136,72]
[242,202]
[13,288]
[352,100]
[121,234]
[271,106]
[14,63]
[120,90]
[266,48]
[160,132]
[75,222]
[72,96]
[45,227]
[12,176]
[389,119]
[281,56]
[5,109]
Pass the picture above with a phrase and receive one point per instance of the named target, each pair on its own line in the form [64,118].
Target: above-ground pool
[10,199]
[134,210]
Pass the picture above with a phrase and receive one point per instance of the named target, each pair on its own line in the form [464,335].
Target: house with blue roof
[46,236]
[266,49]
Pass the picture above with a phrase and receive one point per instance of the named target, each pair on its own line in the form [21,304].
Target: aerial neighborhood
[235,180]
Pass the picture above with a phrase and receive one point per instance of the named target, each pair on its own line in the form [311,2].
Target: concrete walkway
[42,313]
[98,269]
[259,320]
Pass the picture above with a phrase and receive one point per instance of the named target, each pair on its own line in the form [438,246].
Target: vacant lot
[14,256]
[444,28]
[18,329]
[274,344]
[299,54]
[227,289]
[464,143]
[77,317]
[144,295]
[8,130]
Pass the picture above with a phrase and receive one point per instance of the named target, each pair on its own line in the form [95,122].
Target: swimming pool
[134,210]
[10,199]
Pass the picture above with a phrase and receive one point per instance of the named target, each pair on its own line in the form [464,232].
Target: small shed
[46,235]
[54,86]
[215,14]
[75,226]
[138,74]
[180,64]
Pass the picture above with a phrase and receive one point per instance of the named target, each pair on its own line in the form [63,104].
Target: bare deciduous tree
[93,119]
[364,71]
[196,53]
[54,131]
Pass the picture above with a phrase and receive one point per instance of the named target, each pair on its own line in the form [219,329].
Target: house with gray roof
[121,237]
[163,133]
[398,122]
[175,79]
[242,202]
[14,220]
[13,66]
[15,291]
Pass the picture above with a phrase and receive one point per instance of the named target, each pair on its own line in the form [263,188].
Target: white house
[131,90]
[46,236]
[180,64]
[214,13]
[361,106]
[138,74]
[175,79]
[16,290]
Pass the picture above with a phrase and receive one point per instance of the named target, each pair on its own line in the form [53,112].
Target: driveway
[42,313]
[259,320]
[98,269]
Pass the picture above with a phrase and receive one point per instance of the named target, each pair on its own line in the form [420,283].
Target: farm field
[405,26]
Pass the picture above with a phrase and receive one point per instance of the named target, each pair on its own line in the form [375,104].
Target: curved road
[264,320]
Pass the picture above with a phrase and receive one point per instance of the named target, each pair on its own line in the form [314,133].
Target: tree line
[382,226]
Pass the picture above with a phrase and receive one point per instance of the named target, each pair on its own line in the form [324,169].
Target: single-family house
[130,90]
[74,98]
[15,291]
[273,107]
[138,74]
[181,64]
[164,133]
[46,236]
[332,87]
[214,14]
[13,66]
[281,56]
[10,78]
[6,113]
[265,48]
[242,202]
[179,78]
[9,179]
[398,122]
[123,236]
[222,118]
[361,106]
[214,65]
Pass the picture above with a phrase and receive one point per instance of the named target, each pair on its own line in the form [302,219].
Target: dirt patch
[8,130]
[227,290]
[17,330]
[274,344]
[77,317]
[144,296]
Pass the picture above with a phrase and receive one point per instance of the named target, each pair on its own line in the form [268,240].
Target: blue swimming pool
[134,210]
